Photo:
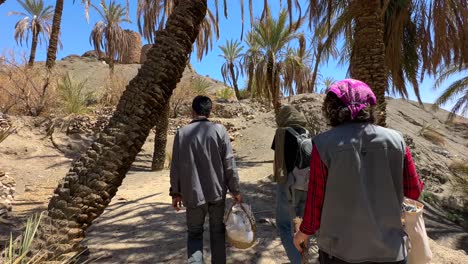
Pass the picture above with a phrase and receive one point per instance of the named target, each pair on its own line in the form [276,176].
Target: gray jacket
[361,214]
[203,166]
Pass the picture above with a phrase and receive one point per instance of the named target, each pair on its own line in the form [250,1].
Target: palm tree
[327,82]
[94,178]
[232,66]
[37,21]
[455,89]
[321,52]
[250,61]
[297,74]
[272,36]
[395,41]
[54,35]
[107,33]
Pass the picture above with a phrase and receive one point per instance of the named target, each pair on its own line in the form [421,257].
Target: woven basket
[239,244]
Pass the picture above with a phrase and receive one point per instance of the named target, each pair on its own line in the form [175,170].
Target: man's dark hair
[202,105]
[338,113]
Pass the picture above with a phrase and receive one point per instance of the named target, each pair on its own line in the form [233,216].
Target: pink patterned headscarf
[356,95]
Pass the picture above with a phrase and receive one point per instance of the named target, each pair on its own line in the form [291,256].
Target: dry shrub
[25,90]
[181,96]
[113,90]
[460,169]
[430,133]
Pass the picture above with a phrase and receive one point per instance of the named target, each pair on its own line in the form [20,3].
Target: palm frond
[456,91]
[37,19]
[107,35]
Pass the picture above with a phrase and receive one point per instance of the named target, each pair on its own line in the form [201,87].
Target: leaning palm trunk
[54,35]
[368,57]
[160,139]
[94,178]
[32,56]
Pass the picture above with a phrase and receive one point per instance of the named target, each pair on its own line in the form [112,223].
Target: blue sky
[75,38]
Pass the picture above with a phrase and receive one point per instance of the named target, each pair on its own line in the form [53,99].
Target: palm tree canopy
[420,35]
[152,15]
[37,20]
[231,51]
[269,53]
[457,91]
[232,54]
[107,34]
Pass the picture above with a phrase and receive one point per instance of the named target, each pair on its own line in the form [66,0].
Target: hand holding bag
[419,251]
[241,231]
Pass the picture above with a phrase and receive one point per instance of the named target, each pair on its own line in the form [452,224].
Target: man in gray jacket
[203,169]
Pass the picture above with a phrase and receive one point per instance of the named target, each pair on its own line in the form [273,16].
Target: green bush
[73,95]
[200,86]
[225,94]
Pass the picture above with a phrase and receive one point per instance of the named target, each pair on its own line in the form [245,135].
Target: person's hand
[177,202]
[237,198]
[300,241]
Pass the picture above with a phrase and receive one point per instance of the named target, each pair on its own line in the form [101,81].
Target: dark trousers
[327,259]
[195,222]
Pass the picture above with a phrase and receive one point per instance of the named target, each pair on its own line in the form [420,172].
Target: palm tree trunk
[94,178]
[234,81]
[272,86]
[367,59]
[54,35]
[111,53]
[160,139]
[315,72]
[32,56]
[250,82]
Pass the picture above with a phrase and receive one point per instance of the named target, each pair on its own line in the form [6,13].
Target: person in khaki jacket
[203,170]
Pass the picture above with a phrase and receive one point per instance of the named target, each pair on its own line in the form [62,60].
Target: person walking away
[291,189]
[203,169]
[359,175]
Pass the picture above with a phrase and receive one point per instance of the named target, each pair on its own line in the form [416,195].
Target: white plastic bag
[240,226]
[419,251]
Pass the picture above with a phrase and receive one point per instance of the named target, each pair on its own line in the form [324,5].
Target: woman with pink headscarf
[358,176]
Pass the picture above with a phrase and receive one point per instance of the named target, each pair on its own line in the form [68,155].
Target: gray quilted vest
[361,215]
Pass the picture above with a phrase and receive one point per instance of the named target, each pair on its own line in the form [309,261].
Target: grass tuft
[225,94]
[200,86]
[73,96]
